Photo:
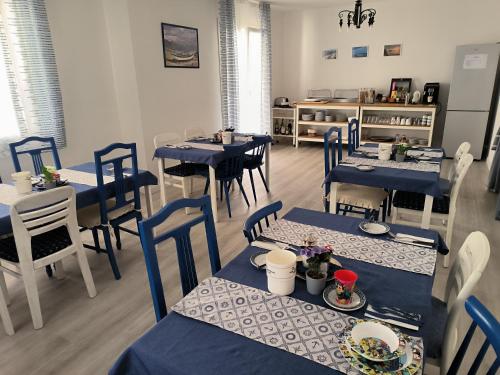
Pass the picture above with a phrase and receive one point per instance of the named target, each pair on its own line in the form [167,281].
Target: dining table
[414,174]
[203,150]
[82,178]
[183,344]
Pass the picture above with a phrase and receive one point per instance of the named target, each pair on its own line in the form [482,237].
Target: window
[249,61]
[8,119]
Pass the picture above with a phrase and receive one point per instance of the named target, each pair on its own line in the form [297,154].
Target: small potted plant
[401,152]
[50,177]
[317,259]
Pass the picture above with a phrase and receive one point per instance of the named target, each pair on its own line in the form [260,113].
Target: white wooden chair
[408,207]
[45,231]
[194,132]
[445,183]
[464,275]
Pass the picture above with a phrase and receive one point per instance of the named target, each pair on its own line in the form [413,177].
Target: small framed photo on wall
[392,50]
[330,54]
[360,51]
[180,46]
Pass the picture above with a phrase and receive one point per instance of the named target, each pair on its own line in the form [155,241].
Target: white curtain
[30,83]
[266,66]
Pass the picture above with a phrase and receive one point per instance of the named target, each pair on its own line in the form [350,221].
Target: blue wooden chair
[367,200]
[254,160]
[352,136]
[254,221]
[182,239]
[490,326]
[43,144]
[114,208]
[227,171]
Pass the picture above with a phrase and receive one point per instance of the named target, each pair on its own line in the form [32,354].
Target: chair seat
[42,245]
[416,201]
[90,217]
[184,169]
[436,329]
[361,196]
[444,186]
[252,162]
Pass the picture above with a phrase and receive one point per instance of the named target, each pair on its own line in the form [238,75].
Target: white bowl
[376,330]
[307,117]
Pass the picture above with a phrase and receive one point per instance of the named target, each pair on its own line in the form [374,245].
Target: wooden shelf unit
[287,115]
[344,109]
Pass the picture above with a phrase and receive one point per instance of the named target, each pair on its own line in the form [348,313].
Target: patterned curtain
[228,54]
[266,61]
[31,69]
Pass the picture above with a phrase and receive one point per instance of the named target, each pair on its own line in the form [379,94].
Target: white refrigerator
[472,99]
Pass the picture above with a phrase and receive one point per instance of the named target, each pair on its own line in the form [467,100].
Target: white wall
[428,30]
[113,82]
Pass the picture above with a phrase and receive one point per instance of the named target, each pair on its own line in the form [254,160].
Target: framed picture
[360,51]
[392,50]
[399,87]
[180,46]
[330,54]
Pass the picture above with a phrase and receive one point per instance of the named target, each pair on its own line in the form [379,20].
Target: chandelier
[357,16]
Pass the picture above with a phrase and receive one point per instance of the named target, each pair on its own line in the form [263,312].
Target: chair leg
[48,270]
[95,235]
[253,185]
[263,179]
[118,238]
[85,269]
[394,215]
[238,179]
[59,270]
[226,188]
[28,274]
[221,191]
[111,254]
[207,184]
[3,288]
[4,311]
[390,203]
[448,238]
[384,209]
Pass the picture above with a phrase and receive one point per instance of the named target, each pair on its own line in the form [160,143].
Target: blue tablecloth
[209,157]
[179,345]
[390,178]
[85,195]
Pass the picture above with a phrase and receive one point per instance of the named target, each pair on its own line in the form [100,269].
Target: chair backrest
[164,139]
[232,166]
[461,170]
[465,273]
[352,136]
[490,327]
[182,239]
[194,132]
[42,212]
[257,153]
[332,144]
[122,183]
[38,146]
[253,225]
[462,150]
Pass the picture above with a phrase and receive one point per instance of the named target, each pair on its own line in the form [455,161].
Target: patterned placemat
[8,194]
[298,327]
[429,154]
[371,150]
[422,167]
[371,250]
[83,178]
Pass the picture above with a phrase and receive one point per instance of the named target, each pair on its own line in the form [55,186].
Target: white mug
[281,271]
[227,138]
[384,151]
[22,181]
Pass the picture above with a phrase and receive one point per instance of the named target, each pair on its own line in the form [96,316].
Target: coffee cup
[22,182]
[345,281]
[281,271]
[227,137]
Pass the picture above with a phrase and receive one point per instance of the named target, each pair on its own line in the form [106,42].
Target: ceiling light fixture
[357,16]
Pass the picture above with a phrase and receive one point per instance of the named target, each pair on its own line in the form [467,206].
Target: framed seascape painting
[330,54]
[180,46]
[360,51]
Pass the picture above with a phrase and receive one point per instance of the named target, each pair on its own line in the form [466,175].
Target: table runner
[422,167]
[84,178]
[429,154]
[301,328]
[203,146]
[8,194]
[372,250]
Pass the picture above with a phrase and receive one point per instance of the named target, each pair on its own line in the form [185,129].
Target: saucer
[374,228]
[358,299]
[258,259]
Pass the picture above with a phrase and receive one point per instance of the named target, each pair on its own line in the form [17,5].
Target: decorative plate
[365,168]
[358,299]
[408,364]
[375,341]
[374,227]
[258,259]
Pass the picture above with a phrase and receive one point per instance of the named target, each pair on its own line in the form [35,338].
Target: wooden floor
[85,336]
